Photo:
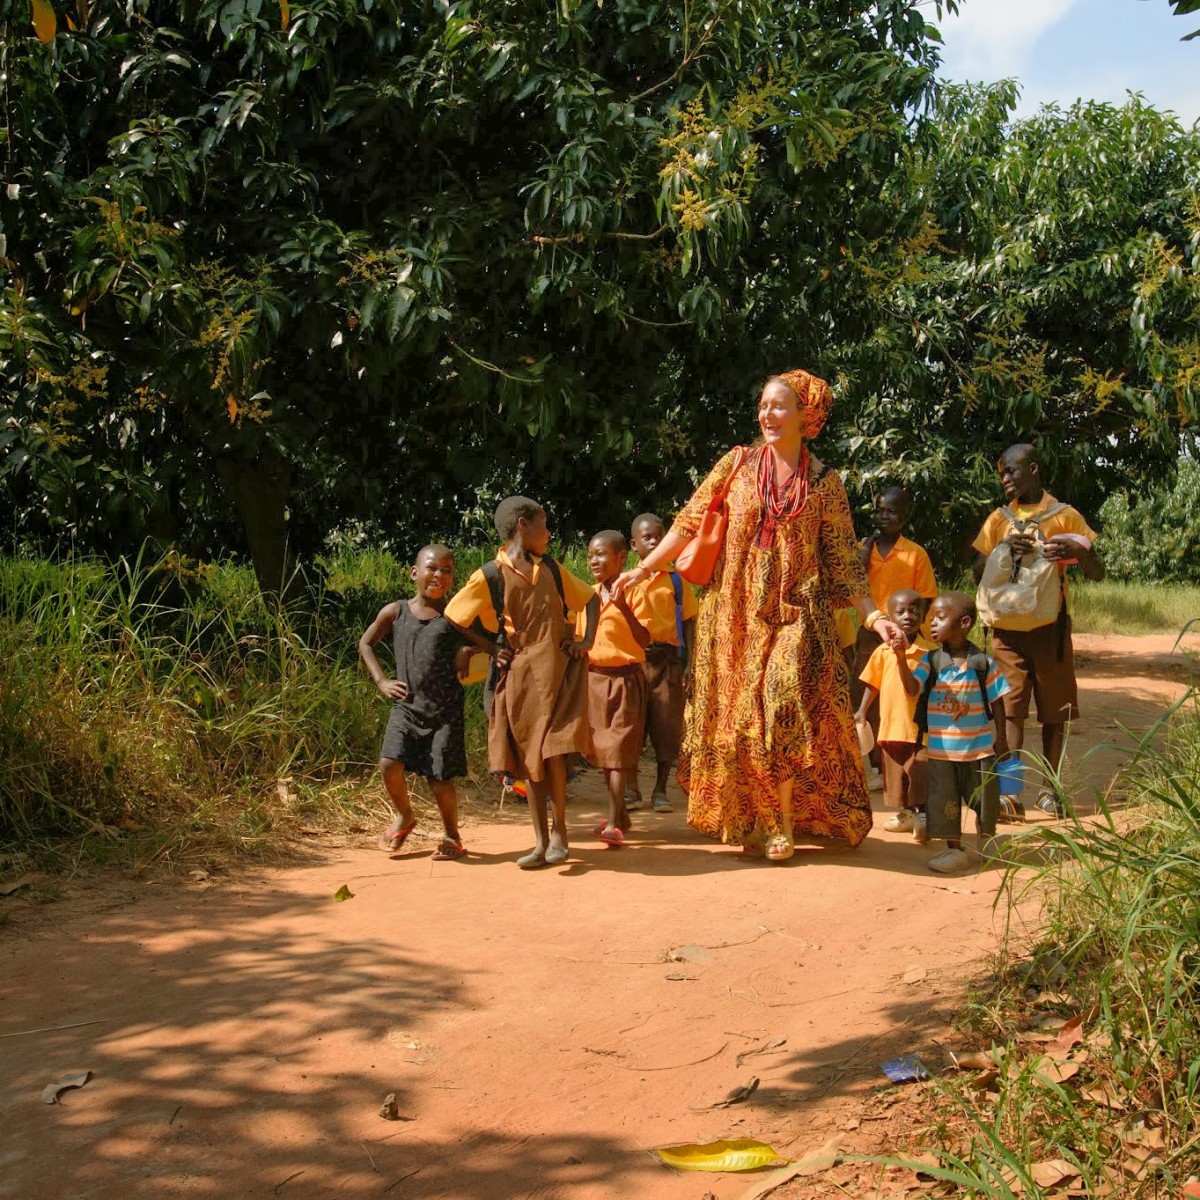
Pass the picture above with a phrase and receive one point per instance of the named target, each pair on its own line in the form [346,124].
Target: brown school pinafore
[540,705]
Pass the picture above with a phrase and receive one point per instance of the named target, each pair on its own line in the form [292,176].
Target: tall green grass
[1115,902]
[1112,606]
[151,696]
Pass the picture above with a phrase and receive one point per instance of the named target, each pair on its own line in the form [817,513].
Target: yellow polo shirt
[659,597]
[905,567]
[615,645]
[896,706]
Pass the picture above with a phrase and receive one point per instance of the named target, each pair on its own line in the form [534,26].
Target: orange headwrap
[815,398]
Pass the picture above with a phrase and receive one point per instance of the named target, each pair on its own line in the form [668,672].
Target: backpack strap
[495,583]
[677,588]
[936,660]
[556,576]
[981,665]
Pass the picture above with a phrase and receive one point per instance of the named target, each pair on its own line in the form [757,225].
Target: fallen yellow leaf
[736,1154]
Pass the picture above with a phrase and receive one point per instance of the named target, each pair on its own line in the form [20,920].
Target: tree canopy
[267,268]
[272,266]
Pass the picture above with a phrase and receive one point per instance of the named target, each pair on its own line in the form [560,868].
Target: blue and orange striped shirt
[959,729]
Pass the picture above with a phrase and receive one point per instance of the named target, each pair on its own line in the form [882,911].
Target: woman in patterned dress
[769,745]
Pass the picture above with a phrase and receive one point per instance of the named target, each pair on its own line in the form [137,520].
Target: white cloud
[992,39]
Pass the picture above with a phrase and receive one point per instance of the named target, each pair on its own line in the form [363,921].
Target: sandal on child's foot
[394,837]
[535,858]
[448,851]
[780,848]
[633,799]
[614,837]
[660,803]
[556,855]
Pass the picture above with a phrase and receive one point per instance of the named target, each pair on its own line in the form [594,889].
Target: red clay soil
[541,1031]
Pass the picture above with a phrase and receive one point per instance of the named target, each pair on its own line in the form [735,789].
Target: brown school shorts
[663,669]
[617,715]
[1030,662]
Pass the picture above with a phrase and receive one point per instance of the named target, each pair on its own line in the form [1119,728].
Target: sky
[1061,50]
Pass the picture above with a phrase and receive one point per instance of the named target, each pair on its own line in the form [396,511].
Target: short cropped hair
[513,509]
[962,603]
[614,537]
[645,517]
[434,548]
[897,493]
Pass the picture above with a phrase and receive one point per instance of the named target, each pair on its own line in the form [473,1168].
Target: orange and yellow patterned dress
[770,688]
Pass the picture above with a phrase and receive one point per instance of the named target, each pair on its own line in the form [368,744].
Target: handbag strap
[718,500]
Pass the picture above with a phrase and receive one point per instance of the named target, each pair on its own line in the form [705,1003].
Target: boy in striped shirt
[965,727]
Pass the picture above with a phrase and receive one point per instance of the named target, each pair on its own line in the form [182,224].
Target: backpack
[1022,591]
[495,583]
[940,660]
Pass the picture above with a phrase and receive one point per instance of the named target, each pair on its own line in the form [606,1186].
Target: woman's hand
[890,634]
[628,579]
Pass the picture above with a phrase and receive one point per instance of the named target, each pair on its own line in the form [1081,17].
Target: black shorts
[433,752]
[953,783]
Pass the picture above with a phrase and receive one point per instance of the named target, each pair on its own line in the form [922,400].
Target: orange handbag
[697,562]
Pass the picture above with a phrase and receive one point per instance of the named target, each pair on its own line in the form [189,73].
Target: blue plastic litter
[907,1069]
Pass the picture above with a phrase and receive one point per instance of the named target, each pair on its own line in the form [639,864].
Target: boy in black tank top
[425,730]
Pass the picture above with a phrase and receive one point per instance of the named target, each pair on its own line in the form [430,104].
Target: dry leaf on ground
[76,1079]
[1052,1171]
[1104,1095]
[11,885]
[975,1060]
[915,974]
[1055,1072]
[388,1110]
[343,893]
[812,1163]
[1069,1035]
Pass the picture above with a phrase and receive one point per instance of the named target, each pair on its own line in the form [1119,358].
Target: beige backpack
[1023,591]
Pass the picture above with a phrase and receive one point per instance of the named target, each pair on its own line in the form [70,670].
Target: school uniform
[906,567]
[539,709]
[664,663]
[904,761]
[1039,664]
[616,687]
[960,746]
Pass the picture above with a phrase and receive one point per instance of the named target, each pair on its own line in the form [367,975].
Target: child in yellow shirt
[672,621]
[616,682]
[905,766]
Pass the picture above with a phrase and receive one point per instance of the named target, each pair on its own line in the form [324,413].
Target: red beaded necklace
[778,505]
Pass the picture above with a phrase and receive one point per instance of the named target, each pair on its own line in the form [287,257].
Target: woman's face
[779,414]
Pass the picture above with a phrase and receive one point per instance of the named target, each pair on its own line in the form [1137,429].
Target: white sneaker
[949,861]
[920,829]
[900,822]
[875,780]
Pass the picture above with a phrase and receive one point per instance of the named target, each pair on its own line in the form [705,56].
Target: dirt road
[540,1031]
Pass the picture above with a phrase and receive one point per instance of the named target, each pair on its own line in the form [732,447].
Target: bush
[1155,537]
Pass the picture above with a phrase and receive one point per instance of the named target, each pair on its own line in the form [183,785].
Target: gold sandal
[780,848]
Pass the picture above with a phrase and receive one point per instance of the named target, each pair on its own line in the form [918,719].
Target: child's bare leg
[617,818]
[446,796]
[556,779]
[537,814]
[661,775]
[397,792]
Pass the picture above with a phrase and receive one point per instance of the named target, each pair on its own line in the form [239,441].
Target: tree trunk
[260,488]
